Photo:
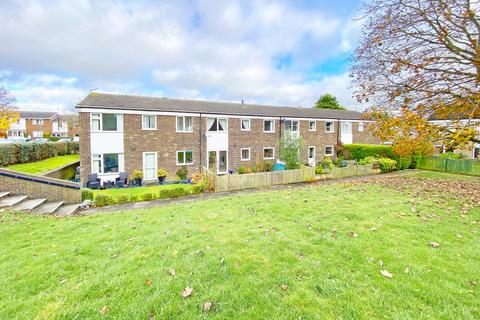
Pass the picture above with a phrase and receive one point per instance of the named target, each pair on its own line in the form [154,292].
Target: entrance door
[212,161]
[218,161]
[222,161]
[150,165]
[311,156]
[346,132]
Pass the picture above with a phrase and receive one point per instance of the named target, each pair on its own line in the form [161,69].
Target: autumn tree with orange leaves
[8,114]
[418,60]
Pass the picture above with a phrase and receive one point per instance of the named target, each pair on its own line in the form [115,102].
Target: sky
[270,52]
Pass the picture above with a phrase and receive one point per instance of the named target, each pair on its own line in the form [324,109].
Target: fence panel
[468,166]
[231,182]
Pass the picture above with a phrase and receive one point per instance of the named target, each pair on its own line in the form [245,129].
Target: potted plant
[182,173]
[138,176]
[161,174]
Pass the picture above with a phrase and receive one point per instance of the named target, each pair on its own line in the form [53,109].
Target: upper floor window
[105,122]
[346,127]
[268,125]
[37,122]
[360,126]
[217,124]
[245,125]
[312,126]
[329,126]
[149,122]
[184,124]
[291,125]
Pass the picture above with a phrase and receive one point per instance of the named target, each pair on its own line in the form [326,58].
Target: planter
[161,180]
[138,182]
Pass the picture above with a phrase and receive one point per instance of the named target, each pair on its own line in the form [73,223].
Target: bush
[319,170]
[243,170]
[161,173]
[133,198]
[102,200]
[174,192]
[387,165]
[182,173]
[451,155]
[290,146]
[122,199]
[198,188]
[326,163]
[199,178]
[87,194]
[14,153]
[367,160]
[361,151]
[147,196]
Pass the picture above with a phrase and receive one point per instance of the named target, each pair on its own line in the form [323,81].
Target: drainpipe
[200,143]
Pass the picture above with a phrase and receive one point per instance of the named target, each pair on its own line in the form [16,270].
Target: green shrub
[198,188]
[14,153]
[367,160]
[147,196]
[290,146]
[133,198]
[174,192]
[387,165]
[122,199]
[182,173]
[102,200]
[361,151]
[87,194]
[451,155]
[319,170]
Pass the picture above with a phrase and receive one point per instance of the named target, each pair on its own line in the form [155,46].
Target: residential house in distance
[37,124]
[122,133]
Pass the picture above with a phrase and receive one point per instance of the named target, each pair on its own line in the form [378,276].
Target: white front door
[311,156]
[217,161]
[346,133]
[149,165]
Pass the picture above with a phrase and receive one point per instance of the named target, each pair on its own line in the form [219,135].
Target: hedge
[361,151]
[15,153]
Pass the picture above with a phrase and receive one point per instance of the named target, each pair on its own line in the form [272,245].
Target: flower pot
[161,180]
[138,182]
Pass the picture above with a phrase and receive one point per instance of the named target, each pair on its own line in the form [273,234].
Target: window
[37,134]
[360,126]
[150,165]
[346,127]
[184,157]
[268,125]
[97,163]
[109,122]
[329,126]
[184,124]
[329,150]
[96,118]
[149,122]
[217,124]
[291,125]
[245,154]
[268,153]
[311,152]
[312,126]
[37,122]
[245,125]
[106,163]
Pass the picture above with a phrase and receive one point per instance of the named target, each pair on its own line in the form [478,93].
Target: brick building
[120,133]
[38,124]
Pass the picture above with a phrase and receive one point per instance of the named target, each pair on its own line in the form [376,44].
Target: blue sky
[274,52]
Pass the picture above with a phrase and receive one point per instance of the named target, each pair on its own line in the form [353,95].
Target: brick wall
[46,127]
[363,137]
[17,186]
[84,145]
[318,139]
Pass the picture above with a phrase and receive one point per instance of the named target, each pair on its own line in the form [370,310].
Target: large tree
[422,55]
[328,101]
[7,110]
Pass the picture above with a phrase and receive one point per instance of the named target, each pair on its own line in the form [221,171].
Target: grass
[43,166]
[238,251]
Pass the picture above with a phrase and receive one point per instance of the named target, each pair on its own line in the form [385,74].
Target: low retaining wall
[40,187]
[67,172]
[230,182]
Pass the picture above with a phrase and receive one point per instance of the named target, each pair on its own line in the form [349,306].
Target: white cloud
[225,50]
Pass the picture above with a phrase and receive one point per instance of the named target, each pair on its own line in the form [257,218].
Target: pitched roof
[37,114]
[142,103]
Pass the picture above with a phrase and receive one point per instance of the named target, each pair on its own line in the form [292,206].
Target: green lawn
[312,253]
[43,166]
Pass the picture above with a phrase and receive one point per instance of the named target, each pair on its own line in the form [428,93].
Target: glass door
[222,161]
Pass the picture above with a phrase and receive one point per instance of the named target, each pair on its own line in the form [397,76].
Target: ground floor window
[184,157]
[329,150]
[15,133]
[106,163]
[245,153]
[37,134]
[268,153]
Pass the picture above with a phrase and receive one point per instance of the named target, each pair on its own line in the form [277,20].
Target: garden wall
[230,182]
[467,166]
[66,172]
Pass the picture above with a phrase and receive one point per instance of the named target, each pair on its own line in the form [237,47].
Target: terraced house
[121,133]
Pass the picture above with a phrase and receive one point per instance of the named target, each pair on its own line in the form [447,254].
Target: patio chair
[121,181]
[93,181]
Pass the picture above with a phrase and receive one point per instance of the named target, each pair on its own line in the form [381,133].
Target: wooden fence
[230,182]
[467,166]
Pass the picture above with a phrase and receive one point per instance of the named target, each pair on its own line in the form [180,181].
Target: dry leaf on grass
[206,306]
[187,292]
[104,310]
[171,271]
[284,287]
[386,274]
[148,282]
[434,244]
[352,234]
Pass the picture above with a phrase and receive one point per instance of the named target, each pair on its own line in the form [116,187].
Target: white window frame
[289,128]
[314,152]
[154,121]
[97,157]
[121,163]
[241,154]
[99,116]
[37,134]
[249,124]
[218,120]
[333,127]
[361,126]
[273,125]
[37,122]
[273,153]
[184,157]
[314,125]
[156,165]
[183,122]
[333,150]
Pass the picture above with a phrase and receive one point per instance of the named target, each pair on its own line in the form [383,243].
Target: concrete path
[213,195]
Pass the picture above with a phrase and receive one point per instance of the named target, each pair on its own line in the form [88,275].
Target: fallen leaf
[352,234]
[151,316]
[373,229]
[206,306]
[148,282]
[115,255]
[434,244]
[387,274]
[104,310]
[284,287]
[171,271]
[222,260]
[187,292]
